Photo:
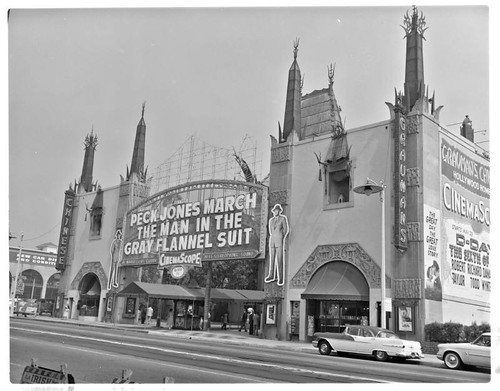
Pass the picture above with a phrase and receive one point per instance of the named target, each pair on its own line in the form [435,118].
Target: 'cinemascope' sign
[200,221]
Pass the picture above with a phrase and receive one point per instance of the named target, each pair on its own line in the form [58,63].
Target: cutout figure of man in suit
[278,229]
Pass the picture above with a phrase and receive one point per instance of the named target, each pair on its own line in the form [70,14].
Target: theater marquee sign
[200,221]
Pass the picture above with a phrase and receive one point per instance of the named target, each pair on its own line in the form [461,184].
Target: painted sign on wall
[62,253]
[31,257]
[189,224]
[465,247]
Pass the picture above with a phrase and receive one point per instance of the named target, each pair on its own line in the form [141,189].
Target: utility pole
[208,286]
[13,293]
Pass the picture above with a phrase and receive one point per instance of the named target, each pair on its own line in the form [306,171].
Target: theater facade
[326,250]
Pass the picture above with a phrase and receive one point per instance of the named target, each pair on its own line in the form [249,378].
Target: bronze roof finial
[295,48]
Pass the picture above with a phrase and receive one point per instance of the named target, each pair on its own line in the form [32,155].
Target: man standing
[256,324]
[149,315]
[278,229]
[250,321]
[243,323]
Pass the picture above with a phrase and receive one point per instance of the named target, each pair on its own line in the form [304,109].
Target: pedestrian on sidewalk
[243,322]
[250,321]
[149,315]
[224,320]
[256,324]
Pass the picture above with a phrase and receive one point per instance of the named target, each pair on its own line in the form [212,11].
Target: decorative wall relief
[280,154]
[407,288]
[414,232]
[90,267]
[413,176]
[351,252]
[278,197]
[412,124]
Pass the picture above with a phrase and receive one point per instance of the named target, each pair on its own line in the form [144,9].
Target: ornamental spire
[293,97]
[414,87]
[138,155]
[90,145]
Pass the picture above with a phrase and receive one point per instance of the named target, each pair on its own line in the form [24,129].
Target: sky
[217,73]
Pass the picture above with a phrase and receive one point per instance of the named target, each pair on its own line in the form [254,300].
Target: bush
[433,332]
[454,332]
[473,331]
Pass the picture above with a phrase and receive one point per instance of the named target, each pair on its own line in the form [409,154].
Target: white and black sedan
[367,340]
[477,353]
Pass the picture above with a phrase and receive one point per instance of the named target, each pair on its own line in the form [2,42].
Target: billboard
[465,223]
[196,222]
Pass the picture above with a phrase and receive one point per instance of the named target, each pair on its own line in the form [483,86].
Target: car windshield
[386,334]
[482,340]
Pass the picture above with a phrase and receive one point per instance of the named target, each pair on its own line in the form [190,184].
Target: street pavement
[216,334]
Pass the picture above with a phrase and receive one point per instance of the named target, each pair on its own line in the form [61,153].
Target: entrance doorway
[334,315]
[337,295]
[90,296]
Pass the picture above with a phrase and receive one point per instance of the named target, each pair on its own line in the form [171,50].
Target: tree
[238,274]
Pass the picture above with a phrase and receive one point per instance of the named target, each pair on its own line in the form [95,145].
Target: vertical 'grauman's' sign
[200,221]
[62,252]
[400,199]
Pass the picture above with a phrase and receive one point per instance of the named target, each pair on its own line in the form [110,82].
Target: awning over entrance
[177,292]
[337,281]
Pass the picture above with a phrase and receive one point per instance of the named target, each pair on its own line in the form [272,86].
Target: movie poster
[432,253]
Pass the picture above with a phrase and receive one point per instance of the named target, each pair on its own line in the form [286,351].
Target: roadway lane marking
[178,366]
[207,356]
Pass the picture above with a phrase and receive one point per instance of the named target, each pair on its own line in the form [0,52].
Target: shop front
[176,306]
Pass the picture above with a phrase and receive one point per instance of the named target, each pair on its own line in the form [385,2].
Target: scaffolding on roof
[197,160]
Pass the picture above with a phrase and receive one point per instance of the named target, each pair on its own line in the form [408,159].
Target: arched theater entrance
[337,295]
[90,295]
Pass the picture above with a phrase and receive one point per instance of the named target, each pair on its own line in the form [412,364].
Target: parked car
[367,340]
[477,353]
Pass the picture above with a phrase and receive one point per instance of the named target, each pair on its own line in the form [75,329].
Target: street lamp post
[371,187]
[13,294]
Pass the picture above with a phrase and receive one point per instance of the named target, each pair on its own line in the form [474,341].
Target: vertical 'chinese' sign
[62,252]
[400,232]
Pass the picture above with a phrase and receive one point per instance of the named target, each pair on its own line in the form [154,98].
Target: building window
[337,169]
[96,222]
[338,188]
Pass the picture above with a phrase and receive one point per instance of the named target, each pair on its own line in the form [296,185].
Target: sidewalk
[230,336]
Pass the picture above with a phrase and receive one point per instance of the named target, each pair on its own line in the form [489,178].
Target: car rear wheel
[324,348]
[452,360]
[380,355]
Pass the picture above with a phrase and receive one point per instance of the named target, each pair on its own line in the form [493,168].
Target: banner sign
[69,198]
[200,221]
[465,236]
[400,228]
[32,257]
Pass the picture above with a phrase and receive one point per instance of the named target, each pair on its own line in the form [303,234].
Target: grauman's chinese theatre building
[437,216]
